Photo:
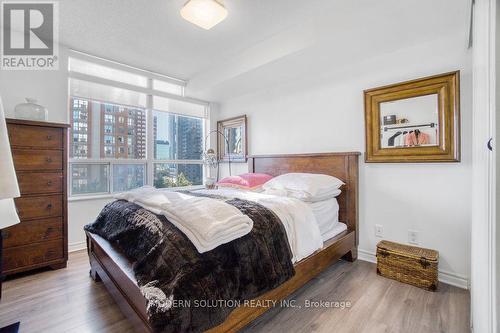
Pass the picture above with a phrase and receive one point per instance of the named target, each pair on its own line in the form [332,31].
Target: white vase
[31,111]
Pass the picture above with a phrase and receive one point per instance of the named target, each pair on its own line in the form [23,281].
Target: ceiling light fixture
[204,13]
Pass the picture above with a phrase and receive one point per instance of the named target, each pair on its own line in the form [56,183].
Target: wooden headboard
[341,165]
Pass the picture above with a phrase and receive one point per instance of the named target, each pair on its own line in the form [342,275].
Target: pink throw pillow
[246,181]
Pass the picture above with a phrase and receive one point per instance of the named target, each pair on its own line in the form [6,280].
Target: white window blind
[100,92]
[179,107]
[86,67]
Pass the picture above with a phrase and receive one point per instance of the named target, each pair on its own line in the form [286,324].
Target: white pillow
[304,186]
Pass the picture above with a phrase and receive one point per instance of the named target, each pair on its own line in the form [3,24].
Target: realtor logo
[29,35]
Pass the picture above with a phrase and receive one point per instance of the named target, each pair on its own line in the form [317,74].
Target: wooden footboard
[111,266]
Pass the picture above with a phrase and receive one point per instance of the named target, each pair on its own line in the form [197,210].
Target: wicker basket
[408,264]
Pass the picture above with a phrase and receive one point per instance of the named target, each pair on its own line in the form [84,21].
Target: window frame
[150,161]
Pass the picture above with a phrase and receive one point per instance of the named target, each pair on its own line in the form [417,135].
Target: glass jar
[31,111]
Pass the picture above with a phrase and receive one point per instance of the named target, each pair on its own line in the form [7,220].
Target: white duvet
[207,231]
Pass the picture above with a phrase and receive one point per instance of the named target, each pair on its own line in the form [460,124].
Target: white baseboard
[444,276]
[77,246]
[367,256]
[454,279]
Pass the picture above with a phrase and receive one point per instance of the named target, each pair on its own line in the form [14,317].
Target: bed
[115,270]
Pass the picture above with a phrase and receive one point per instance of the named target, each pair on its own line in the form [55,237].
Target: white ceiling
[261,42]
[151,33]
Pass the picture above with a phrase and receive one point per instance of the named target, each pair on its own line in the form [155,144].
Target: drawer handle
[49,137]
[5,234]
[49,183]
[48,232]
[49,206]
[48,159]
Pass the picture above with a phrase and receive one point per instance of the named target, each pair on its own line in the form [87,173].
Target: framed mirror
[234,142]
[414,121]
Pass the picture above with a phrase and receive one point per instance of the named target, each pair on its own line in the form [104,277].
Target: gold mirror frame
[240,121]
[447,88]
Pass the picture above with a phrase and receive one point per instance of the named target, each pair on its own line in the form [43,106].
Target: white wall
[323,112]
[81,213]
[50,88]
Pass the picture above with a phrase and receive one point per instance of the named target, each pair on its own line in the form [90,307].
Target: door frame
[483,224]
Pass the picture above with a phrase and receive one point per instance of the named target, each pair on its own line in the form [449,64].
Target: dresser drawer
[24,256]
[35,136]
[37,160]
[29,232]
[39,207]
[39,183]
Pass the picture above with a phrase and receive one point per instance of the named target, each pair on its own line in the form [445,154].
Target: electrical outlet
[379,230]
[413,237]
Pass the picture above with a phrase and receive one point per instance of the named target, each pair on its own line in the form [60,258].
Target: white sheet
[297,217]
[208,223]
[336,229]
[326,213]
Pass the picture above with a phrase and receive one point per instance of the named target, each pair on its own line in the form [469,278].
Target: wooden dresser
[39,150]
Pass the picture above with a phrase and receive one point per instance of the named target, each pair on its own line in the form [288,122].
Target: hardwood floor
[67,300]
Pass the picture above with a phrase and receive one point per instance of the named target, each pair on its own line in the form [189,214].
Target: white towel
[207,222]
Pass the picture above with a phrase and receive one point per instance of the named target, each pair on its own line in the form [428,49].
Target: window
[177,175]
[89,178]
[79,151]
[127,177]
[109,139]
[108,129]
[177,137]
[82,138]
[79,126]
[111,149]
[109,118]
